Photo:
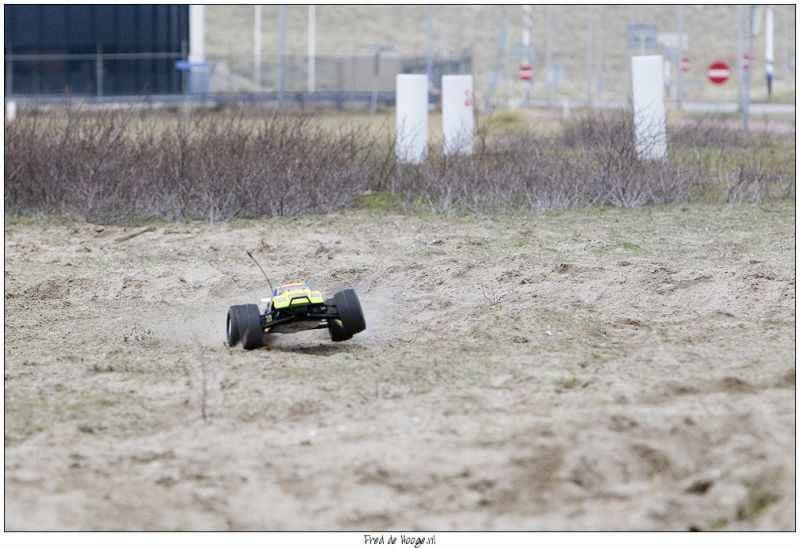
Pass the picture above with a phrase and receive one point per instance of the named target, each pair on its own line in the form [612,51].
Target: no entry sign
[719,72]
[685,64]
[525,73]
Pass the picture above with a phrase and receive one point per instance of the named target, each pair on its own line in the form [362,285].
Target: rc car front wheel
[232,326]
[349,310]
[249,322]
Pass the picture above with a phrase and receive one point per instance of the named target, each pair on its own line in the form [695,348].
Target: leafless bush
[755,180]
[593,162]
[120,167]
[745,167]
[594,128]
[115,167]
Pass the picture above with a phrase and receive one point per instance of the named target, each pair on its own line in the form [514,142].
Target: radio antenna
[261,269]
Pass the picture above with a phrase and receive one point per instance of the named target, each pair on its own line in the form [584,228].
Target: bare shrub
[592,163]
[119,167]
[739,167]
[115,168]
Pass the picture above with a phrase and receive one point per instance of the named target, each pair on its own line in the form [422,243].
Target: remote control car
[295,307]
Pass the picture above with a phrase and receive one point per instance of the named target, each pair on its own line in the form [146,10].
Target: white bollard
[411,143]
[649,116]
[11,110]
[458,116]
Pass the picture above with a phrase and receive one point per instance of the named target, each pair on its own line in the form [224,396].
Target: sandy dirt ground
[582,370]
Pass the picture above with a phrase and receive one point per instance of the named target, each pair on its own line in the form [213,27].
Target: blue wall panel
[86,29]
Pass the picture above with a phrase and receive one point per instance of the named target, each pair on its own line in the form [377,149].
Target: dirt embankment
[623,369]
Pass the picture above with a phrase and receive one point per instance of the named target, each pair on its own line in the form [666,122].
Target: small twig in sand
[492,297]
[129,236]
[204,413]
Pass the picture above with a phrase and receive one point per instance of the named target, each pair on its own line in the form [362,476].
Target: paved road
[755,108]
[694,106]
[364,97]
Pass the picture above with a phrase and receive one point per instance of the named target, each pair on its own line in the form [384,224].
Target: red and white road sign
[525,73]
[685,64]
[719,72]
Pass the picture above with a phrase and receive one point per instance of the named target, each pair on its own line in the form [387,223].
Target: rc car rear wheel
[349,310]
[249,322]
[337,331]
[232,326]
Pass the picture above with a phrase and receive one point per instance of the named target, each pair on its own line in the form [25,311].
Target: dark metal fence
[98,74]
[101,77]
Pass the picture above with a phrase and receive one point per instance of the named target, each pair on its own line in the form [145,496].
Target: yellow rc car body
[294,294]
[295,307]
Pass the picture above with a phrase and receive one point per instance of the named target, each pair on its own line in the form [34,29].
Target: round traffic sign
[685,64]
[719,72]
[525,73]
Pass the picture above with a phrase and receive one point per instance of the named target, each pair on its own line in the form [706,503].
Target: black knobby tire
[232,326]
[250,329]
[338,332]
[349,310]
[335,329]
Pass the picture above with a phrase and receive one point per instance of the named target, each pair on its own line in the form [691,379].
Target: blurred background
[348,56]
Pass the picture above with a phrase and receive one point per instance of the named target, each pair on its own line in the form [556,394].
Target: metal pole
[257,46]
[429,53]
[473,37]
[507,51]
[9,72]
[640,35]
[589,71]
[99,70]
[456,16]
[339,83]
[597,37]
[376,72]
[445,34]
[629,51]
[526,44]
[312,47]
[281,52]
[786,48]
[548,51]
[740,52]
[373,104]
[184,77]
[499,62]
[749,74]
[487,62]
[679,56]
[769,56]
